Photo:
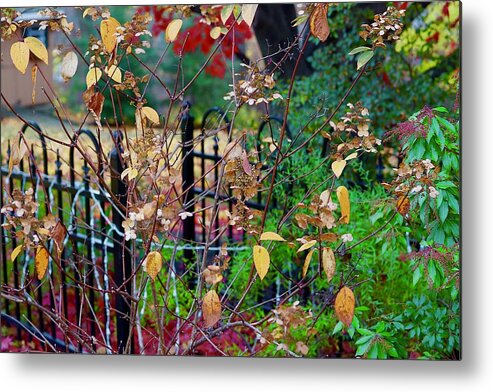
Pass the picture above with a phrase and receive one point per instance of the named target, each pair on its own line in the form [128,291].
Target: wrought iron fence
[95,264]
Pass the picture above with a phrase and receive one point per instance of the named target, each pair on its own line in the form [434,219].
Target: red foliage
[434,37]
[197,37]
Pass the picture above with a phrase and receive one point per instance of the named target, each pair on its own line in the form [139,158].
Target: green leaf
[443,211]
[416,275]
[432,270]
[364,57]
[440,109]
[359,50]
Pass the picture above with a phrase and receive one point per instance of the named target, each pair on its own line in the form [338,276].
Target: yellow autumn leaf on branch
[92,77]
[329,263]
[338,167]
[211,308]
[271,236]
[19,53]
[114,73]
[16,252]
[37,48]
[261,259]
[344,305]
[153,264]
[173,29]
[41,262]
[150,114]
[343,197]
[306,246]
[306,264]
[108,33]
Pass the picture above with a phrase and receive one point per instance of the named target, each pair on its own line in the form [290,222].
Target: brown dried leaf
[94,101]
[58,236]
[344,305]
[319,26]
[211,308]
[41,261]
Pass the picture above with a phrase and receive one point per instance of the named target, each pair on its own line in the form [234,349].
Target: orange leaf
[108,33]
[41,261]
[344,305]
[403,205]
[153,264]
[211,308]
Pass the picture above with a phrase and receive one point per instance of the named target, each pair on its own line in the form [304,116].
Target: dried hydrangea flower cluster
[286,320]
[415,178]
[355,124]
[242,178]
[21,212]
[143,218]
[213,272]
[322,208]
[255,88]
[145,150]
[57,22]
[386,27]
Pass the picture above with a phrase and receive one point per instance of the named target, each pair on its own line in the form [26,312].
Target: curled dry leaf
[328,263]
[34,74]
[261,259]
[248,13]
[271,236]
[343,197]
[153,264]
[307,262]
[108,33]
[17,151]
[150,114]
[94,101]
[19,53]
[37,48]
[58,236]
[306,246]
[211,308]
[344,305]
[319,25]
[41,262]
[338,167]
[69,66]
[173,29]
[93,75]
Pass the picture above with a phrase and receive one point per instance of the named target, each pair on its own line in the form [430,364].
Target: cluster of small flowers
[412,127]
[253,89]
[423,171]
[386,27]
[22,212]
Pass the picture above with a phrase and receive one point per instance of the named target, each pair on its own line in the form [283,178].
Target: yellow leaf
[151,114]
[306,246]
[69,66]
[34,73]
[338,167]
[92,77]
[343,197]
[108,33]
[114,73]
[248,13]
[215,32]
[328,263]
[351,156]
[319,26]
[16,252]
[153,264]
[19,53]
[86,11]
[37,48]
[41,261]
[173,29]
[261,260]
[271,236]
[344,305]
[307,262]
[211,308]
